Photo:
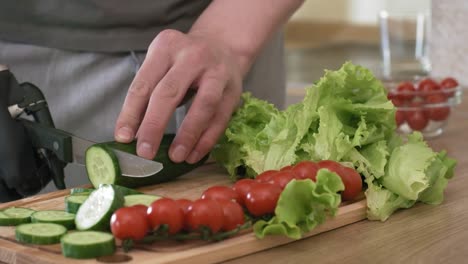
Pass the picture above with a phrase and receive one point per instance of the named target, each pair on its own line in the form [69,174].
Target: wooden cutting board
[189,186]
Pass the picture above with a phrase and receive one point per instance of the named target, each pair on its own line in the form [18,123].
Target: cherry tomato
[427,87]
[205,212]
[265,176]
[406,91]
[350,177]
[220,193]
[398,102]
[129,223]
[416,120]
[391,95]
[449,83]
[437,113]
[399,117]
[184,204]
[306,170]
[242,187]
[233,215]
[262,199]
[282,178]
[166,211]
[286,168]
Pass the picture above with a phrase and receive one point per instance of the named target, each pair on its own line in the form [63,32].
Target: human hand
[175,63]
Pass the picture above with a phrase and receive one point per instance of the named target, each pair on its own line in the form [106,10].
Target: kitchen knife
[72,149]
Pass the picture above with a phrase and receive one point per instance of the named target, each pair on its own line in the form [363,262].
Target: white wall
[355,11]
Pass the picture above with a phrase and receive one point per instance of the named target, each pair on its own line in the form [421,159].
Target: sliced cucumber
[81,191]
[144,199]
[40,233]
[126,191]
[87,244]
[73,202]
[96,211]
[56,217]
[102,165]
[15,215]
[5,220]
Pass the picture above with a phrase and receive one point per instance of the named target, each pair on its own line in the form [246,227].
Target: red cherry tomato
[242,187]
[350,177]
[437,113]
[220,193]
[207,213]
[262,199]
[265,176]
[397,102]
[449,84]
[166,211]
[399,117]
[233,215]
[129,223]
[427,87]
[406,91]
[282,178]
[416,120]
[306,170]
[184,204]
[391,95]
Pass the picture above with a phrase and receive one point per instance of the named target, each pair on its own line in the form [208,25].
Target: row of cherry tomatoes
[417,105]
[221,208]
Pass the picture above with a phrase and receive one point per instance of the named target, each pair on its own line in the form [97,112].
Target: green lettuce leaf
[381,203]
[303,205]
[407,165]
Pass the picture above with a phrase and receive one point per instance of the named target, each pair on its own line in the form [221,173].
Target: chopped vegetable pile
[345,117]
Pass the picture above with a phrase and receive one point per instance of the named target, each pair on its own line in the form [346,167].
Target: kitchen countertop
[422,234]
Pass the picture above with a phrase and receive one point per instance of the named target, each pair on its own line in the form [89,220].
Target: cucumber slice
[87,244]
[144,199]
[96,211]
[81,191]
[40,233]
[102,165]
[126,191]
[73,202]
[15,215]
[5,220]
[56,217]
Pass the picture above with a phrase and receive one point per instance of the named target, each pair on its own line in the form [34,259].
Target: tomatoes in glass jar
[437,113]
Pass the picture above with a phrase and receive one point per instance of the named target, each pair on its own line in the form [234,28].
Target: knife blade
[130,165]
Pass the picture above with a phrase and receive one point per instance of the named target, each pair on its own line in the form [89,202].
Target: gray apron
[86,90]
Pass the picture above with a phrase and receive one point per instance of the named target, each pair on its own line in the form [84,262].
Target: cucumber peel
[54,216]
[87,244]
[144,199]
[40,233]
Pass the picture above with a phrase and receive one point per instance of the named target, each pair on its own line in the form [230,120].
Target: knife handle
[53,139]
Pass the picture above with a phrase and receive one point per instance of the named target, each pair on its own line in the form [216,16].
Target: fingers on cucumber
[40,233]
[87,244]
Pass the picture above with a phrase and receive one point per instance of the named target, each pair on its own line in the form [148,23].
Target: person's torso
[95,25]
